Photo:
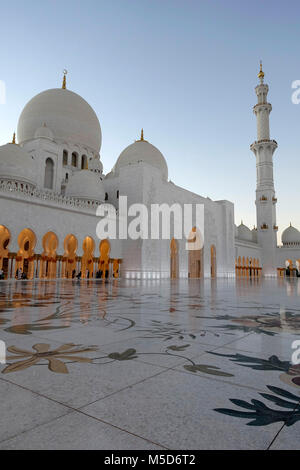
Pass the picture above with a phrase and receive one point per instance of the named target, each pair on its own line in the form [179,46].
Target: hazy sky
[184,70]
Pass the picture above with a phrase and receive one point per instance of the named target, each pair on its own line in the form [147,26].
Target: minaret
[263,149]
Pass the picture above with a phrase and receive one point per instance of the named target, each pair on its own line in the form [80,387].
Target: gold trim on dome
[261,74]
[142,137]
[64,83]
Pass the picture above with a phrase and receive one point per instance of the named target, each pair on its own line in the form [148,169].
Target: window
[49,173]
[74,159]
[118,194]
[83,162]
[65,158]
[67,176]
[106,196]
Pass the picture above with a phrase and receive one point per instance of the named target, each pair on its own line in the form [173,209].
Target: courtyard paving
[126,364]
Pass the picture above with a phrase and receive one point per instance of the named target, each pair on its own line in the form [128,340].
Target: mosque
[52,182]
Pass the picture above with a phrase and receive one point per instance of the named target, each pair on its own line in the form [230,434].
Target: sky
[184,70]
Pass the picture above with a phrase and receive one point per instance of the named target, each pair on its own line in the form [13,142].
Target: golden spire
[64,83]
[142,134]
[261,74]
[14,138]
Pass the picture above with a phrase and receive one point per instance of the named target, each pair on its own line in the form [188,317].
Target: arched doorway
[49,174]
[84,163]
[4,242]
[174,259]
[195,248]
[87,260]
[48,258]
[213,261]
[69,257]
[103,266]
[25,255]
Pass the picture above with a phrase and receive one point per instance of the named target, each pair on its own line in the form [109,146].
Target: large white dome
[85,184]
[16,164]
[290,236]
[69,117]
[142,151]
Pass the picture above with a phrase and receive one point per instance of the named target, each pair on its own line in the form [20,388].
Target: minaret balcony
[263,143]
[262,106]
[264,227]
[274,199]
[263,199]
[275,227]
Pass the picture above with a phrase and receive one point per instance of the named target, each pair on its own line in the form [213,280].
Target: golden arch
[4,242]
[25,255]
[195,255]
[69,257]
[174,265]
[103,265]
[213,261]
[48,258]
[87,260]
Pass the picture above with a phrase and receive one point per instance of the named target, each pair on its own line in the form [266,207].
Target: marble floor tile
[77,431]
[178,411]
[21,410]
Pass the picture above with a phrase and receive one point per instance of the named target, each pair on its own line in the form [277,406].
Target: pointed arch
[69,257]
[49,174]
[49,256]
[213,261]
[4,252]
[25,256]
[87,260]
[195,253]
[104,248]
[174,265]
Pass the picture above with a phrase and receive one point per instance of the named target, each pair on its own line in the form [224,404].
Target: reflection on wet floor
[84,342]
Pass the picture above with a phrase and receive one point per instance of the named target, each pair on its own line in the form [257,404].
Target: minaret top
[14,138]
[261,74]
[64,83]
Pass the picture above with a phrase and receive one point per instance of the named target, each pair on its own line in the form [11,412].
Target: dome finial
[261,74]
[14,138]
[64,83]
[142,134]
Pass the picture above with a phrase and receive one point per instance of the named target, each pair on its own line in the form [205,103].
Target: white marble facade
[53,181]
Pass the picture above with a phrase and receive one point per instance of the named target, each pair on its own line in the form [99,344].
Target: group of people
[99,274]
[20,274]
[288,272]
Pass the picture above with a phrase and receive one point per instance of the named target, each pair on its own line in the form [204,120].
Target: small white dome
[69,116]
[142,151]
[290,236]
[16,164]
[43,132]
[244,233]
[85,184]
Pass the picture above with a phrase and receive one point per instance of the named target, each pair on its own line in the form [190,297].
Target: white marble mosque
[52,181]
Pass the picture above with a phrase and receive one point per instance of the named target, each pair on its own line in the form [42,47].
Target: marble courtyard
[129,364]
